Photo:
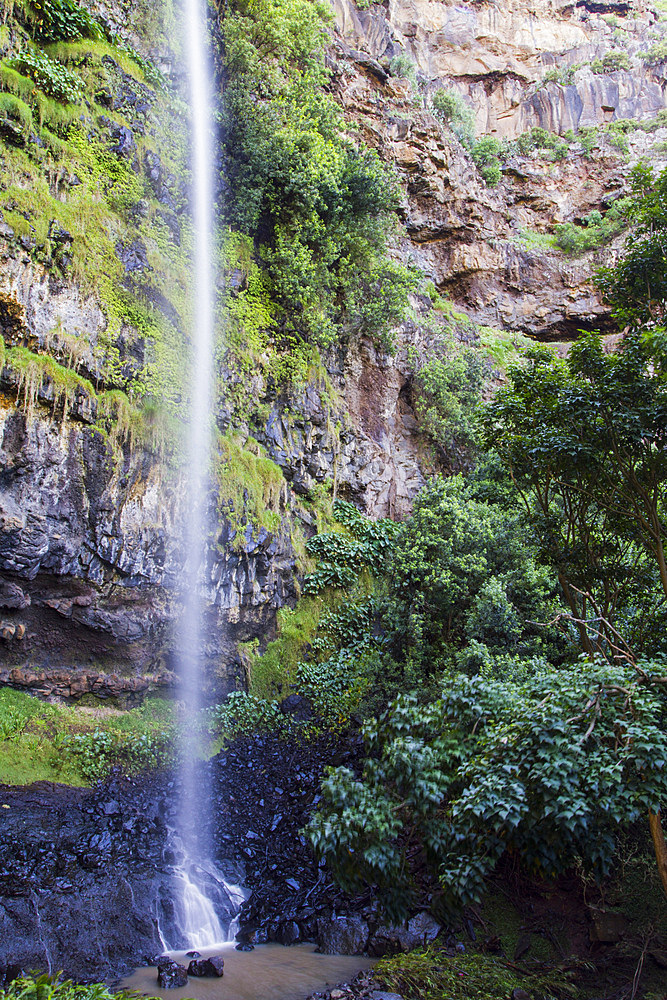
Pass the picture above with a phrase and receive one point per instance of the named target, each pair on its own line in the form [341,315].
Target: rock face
[83,886]
[91,525]
[498,55]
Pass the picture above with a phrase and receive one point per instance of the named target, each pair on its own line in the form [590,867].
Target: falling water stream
[201,891]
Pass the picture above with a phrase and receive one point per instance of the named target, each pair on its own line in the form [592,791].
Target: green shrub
[611,62]
[656,54]
[485,154]
[49,75]
[128,749]
[446,556]
[60,20]
[550,768]
[562,75]
[341,558]
[597,229]
[446,395]
[242,714]
[319,209]
[403,66]
[451,107]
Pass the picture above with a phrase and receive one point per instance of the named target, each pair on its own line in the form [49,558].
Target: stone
[245,946]
[288,933]
[607,927]
[417,931]
[172,976]
[298,707]
[201,967]
[193,954]
[342,935]
[381,995]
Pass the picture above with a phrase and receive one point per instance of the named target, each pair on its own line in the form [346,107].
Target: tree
[585,443]
[636,287]
[550,769]
[464,568]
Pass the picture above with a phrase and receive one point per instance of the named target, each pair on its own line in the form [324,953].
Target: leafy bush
[341,557]
[562,75]
[539,138]
[60,21]
[446,396]
[103,750]
[321,210]
[451,107]
[451,556]
[597,229]
[49,75]
[485,154]
[611,62]
[550,768]
[656,54]
[402,65]
[243,713]
[636,287]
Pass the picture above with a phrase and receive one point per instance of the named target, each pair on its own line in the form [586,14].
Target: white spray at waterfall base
[204,902]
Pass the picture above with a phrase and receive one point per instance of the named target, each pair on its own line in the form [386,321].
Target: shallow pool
[270,972]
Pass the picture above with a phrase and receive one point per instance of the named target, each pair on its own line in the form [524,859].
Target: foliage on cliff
[94,157]
[319,207]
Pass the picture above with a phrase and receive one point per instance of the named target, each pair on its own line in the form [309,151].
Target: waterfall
[201,891]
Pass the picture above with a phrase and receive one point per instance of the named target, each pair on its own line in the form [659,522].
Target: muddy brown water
[270,972]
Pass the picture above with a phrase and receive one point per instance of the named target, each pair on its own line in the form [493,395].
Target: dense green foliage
[446,394]
[504,744]
[597,229]
[636,287]
[48,987]
[451,107]
[466,581]
[550,767]
[60,20]
[319,208]
[584,439]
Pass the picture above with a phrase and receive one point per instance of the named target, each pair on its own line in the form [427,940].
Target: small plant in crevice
[450,106]
[611,62]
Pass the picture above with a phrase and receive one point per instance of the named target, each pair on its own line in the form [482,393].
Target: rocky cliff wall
[91,497]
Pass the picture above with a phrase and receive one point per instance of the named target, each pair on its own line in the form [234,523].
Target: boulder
[171,975]
[607,926]
[344,935]
[418,930]
[201,967]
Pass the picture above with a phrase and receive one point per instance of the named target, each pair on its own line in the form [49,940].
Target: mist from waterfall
[201,891]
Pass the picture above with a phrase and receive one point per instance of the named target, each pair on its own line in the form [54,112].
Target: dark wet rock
[74,860]
[201,967]
[298,707]
[245,946]
[193,954]
[133,256]
[171,975]
[288,933]
[343,935]
[420,930]
[607,926]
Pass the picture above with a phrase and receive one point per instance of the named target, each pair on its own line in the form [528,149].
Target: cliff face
[91,496]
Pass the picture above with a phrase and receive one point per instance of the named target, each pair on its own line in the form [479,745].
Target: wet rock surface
[83,887]
[265,789]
